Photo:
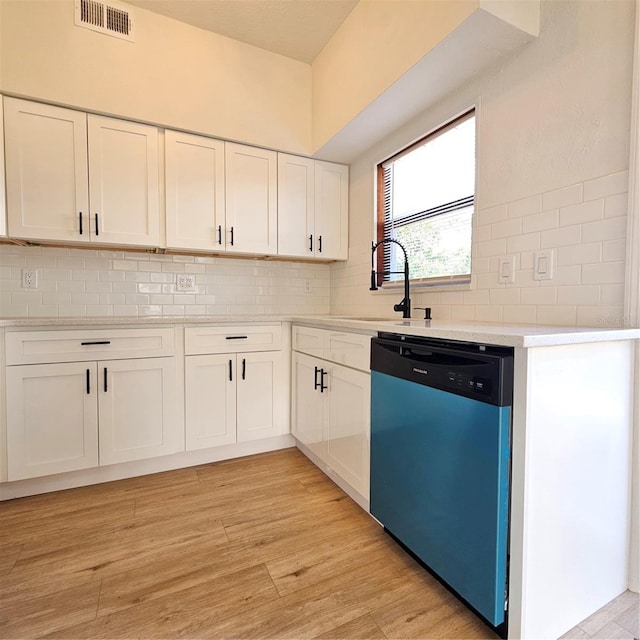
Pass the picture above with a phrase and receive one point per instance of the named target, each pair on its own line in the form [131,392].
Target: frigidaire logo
[421,371]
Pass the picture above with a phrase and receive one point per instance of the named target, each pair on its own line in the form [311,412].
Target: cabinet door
[123,182]
[348,426]
[194,191]
[3,211]
[307,403]
[210,396]
[332,210]
[52,419]
[46,169]
[296,202]
[137,409]
[251,197]
[261,412]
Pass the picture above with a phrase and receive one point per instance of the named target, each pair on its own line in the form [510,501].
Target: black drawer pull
[319,244]
[219,234]
[311,243]
[97,227]
[80,215]
[232,236]
[84,344]
[244,368]
[88,382]
[236,337]
[315,378]
[105,380]
[230,370]
[323,386]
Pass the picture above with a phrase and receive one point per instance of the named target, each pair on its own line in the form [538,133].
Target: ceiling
[298,29]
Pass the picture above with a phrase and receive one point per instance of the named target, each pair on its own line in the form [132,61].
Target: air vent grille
[105,17]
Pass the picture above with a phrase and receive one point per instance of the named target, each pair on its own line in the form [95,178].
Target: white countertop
[511,335]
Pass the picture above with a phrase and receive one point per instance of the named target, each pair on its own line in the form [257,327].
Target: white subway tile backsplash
[525,207]
[583,212]
[579,254]
[507,228]
[540,221]
[615,206]
[589,294]
[607,229]
[560,237]
[74,282]
[562,197]
[492,214]
[523,242]
[604,273]
[606,186]
[614,250]
[519,314]
[538,295]
[490,248]
[557,315]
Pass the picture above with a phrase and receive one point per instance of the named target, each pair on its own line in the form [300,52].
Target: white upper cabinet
[195,203]
[3,211]
[251,200]
[296,205]
[312,208]
[78,178]
[46,168]
[123,182]
[332,210]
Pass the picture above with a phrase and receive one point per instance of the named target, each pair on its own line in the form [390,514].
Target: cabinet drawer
[343,347]
[308,340]
[42,347]
[350,349]
[232,339]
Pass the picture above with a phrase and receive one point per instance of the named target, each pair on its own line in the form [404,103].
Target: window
[426,201]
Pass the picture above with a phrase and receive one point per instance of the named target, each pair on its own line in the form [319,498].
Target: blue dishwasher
[440,460]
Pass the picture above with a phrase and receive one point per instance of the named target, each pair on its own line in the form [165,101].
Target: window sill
[462,284]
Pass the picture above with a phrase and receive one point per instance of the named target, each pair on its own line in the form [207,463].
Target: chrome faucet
[405,304]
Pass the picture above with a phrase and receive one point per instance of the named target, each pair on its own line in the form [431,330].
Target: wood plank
[260,547]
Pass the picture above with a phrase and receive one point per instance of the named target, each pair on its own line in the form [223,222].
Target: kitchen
[586,159]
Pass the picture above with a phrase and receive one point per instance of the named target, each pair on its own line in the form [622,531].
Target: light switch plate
[543,265]
[506,270]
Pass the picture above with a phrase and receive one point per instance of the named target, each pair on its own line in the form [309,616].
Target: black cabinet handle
[235,337]
[219,234]
[320,244]
[315,378]
[106,388]
[230,371]
[80,216]
[97,227]
[323,386]
[311,243]
[88,382]
[244,368]
[84,344]
[232,236]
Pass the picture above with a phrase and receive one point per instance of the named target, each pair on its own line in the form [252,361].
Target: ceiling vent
[105,17]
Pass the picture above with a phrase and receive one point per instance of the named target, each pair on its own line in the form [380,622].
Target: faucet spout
[405,304]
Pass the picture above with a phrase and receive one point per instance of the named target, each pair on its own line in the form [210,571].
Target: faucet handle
[427,312]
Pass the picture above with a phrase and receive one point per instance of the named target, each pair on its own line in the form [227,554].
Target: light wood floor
[261,547]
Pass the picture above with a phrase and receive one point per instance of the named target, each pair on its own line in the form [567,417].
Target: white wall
[89,282]
[173,75]
[552,157]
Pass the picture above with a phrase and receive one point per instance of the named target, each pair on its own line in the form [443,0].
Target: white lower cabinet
[52,419]
[137,409]
[92,406]
[331,417]
[234,396]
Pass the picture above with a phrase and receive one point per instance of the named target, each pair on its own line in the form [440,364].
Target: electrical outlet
[186,282]
[307,286]
[29,279]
